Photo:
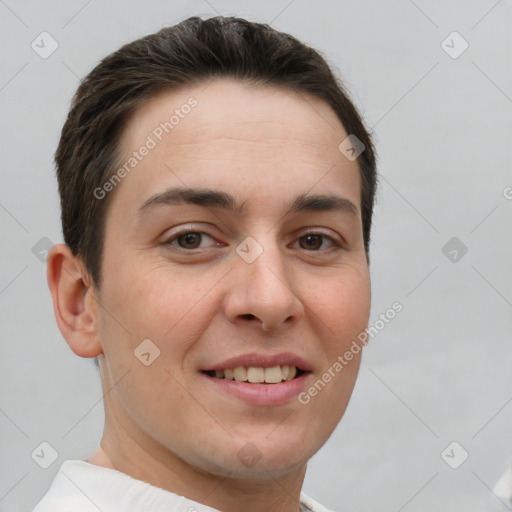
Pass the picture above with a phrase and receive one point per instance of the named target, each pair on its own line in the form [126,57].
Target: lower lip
[261,394]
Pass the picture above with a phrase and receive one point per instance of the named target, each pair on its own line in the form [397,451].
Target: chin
[262,459]
[262,470]
[258,460]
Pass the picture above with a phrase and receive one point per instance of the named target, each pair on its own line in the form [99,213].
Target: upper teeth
[253,374]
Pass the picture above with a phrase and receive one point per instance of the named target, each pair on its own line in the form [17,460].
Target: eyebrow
[218,199]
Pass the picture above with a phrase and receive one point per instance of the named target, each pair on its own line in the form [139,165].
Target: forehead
[229,107]
[226,133]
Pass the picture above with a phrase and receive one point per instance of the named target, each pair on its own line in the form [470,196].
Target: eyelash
[336,245]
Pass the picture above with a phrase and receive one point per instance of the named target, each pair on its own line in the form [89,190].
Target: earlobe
[74,301]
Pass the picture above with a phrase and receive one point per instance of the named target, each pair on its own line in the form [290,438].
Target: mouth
[258,375]
[258,379]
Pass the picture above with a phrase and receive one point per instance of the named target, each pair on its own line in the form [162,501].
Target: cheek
[167,306]
[150,297]
[343,304]
[348,314]
[343,309]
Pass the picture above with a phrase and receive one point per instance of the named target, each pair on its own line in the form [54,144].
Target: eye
[314,241]
[188,239]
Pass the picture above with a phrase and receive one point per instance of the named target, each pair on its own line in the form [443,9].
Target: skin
[164,423]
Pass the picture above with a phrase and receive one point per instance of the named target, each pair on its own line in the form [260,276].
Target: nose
[263,291]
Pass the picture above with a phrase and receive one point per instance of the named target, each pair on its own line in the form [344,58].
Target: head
[208,212]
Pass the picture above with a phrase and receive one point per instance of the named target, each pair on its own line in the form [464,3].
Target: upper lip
[261,361]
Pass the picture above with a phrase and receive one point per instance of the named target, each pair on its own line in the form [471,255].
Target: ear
[75,301]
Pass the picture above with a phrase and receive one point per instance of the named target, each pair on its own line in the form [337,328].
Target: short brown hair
[188,53]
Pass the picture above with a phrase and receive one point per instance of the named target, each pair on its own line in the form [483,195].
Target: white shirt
[83,487]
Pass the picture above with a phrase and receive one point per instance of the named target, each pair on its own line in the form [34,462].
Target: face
[246,272]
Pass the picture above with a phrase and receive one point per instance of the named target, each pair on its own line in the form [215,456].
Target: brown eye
[189,240]
[314,241]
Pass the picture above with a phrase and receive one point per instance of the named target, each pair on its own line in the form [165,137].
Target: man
[217,188]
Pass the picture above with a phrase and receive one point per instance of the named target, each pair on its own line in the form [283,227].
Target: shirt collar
[99,489]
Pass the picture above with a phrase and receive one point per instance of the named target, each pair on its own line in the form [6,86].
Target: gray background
[439,372]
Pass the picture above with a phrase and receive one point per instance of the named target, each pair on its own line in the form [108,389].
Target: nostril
[248,316]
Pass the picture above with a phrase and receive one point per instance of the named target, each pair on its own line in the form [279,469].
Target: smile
[257,375]
[259,386]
